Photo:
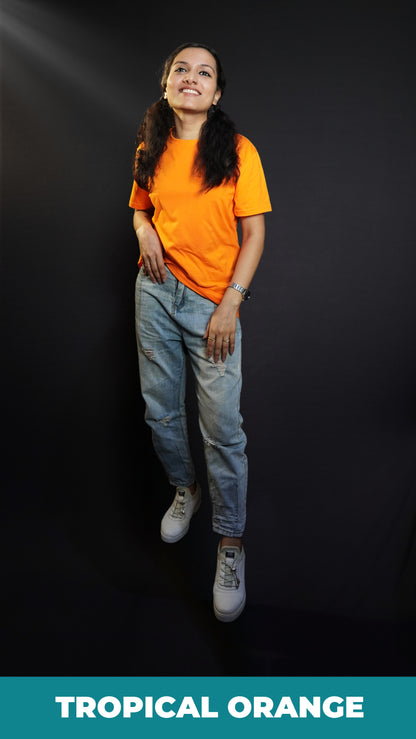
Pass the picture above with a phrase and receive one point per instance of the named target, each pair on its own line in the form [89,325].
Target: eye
[180,69]
[205,73]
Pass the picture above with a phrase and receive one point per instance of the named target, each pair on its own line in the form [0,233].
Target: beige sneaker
[175,522]
[229,587]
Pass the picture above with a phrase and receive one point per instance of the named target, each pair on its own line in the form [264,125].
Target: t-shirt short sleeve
[139,198]
[251,194]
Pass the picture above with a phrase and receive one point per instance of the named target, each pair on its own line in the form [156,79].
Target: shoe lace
[228,574]
[179,505]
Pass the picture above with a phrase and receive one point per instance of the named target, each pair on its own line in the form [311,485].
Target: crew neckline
[176,139]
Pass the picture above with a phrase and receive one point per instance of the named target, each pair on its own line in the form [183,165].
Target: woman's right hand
[151,251]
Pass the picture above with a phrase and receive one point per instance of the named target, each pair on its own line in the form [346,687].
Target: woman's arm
[151,249]
[223,321]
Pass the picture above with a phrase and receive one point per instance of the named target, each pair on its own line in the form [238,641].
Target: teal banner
[197,707]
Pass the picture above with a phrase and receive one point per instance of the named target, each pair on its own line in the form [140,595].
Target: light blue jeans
[171,320]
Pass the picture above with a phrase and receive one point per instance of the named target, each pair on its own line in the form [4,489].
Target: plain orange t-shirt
[198,229]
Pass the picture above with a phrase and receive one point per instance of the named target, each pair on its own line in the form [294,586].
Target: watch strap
[243,290]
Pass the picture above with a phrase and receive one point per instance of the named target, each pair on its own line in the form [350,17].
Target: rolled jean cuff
[233,534]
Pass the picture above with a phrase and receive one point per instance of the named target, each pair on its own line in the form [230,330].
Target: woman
[195,177]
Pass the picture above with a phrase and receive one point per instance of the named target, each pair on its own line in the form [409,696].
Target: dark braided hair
[216,159]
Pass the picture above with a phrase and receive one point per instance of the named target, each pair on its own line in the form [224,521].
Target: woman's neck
[188,126]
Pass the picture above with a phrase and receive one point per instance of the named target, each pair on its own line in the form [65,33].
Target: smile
[190,91]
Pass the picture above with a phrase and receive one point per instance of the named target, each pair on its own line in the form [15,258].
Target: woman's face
[191,85]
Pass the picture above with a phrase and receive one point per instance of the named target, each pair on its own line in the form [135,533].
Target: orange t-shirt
[198,229]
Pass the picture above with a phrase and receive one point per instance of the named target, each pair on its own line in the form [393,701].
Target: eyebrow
[198,65]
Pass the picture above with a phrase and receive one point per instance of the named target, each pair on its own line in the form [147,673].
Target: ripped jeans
[171,320]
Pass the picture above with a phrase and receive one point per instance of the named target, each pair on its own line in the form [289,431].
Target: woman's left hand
[220,333]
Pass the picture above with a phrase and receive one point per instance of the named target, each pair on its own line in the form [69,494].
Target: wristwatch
[243,290]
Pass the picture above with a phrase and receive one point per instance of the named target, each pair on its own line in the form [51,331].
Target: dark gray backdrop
[326,92]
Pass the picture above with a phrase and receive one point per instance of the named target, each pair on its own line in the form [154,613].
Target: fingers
[150,271]
[219,346]
[151,251]
[155,269]
[162,272]
[211,342]
[159,271]
[224,349]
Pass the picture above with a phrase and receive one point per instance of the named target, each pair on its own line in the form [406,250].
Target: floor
[117,611]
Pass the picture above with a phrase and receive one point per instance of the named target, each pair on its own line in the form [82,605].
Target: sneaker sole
[173,539]
[227,617]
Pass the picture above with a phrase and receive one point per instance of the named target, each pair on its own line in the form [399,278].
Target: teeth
[193,92]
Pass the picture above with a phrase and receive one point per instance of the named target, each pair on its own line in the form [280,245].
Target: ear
[165,95]
[216,97]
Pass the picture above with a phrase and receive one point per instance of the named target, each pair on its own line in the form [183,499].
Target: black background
[326,93]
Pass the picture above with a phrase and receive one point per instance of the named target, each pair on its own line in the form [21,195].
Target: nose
[190,77]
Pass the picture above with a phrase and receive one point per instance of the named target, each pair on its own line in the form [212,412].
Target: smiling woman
[195,177]
[192,86]
[216,157]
